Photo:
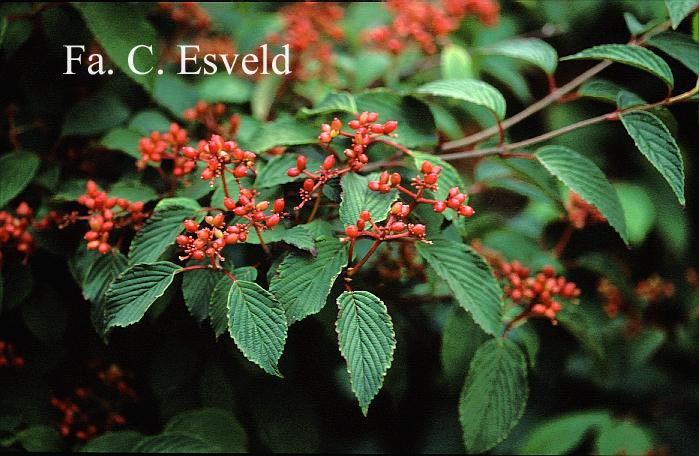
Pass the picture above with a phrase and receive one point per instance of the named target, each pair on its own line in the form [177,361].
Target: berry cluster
[106,214]
[612,297]
[207,242]
[8,356]
[310,29]
[188,14]
[395,227]
[581,213]
[537,295]
[210,116]
[426,23]
[89,411]
[14,231]
[218,154]
[456,200]
[655,289]
[158,146]
[366,131]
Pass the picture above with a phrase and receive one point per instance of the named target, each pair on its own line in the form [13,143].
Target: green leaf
[623,438]
[111,442]
[135,290]
[263,95]
[357,197]
[274,172]
[679,9]
[415,122]
[119,30]
[635,56]
[300,237]
[197,287]
[283,131]
[456,63]
[639,211]
[97,281]
[124,140]
[222,87]
[94,115]
[217,427]
[678,46]
[654,141]
[367,342]
[17,169]
[158,233]
[600,89]
[563,434]
[40,438]
[494,395]
[172,442]
[461,337]
[175,94]
[532,50]
[302,282]
[469,278]
[176,201]
[133,190]
[149,121]
[587,180]
[257,324]
[218,297]
[469,90]
[333,102]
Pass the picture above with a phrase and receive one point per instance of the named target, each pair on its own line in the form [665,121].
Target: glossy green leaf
[97,281]
[119,30]
[678,46]
[456,63]
[639,211]
[256,322]
[582,176]
[172,442]
[124,140]
[563,434]
[600,89]
[469,90]
[469,278]
[461,337]
[302,282]
[635,56]
[494,395]
[333,102]
[654,141]
[623,438]
[135,290]
[17,169]
[118,441]
[215,426]
[367,342]
[532,50]
[679,9]
[222,87]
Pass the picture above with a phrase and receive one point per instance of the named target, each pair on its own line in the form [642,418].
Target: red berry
[190,225]
[395,179]
[279,205]
[365,215]
[301,162]
[272,220]
[426,167]
[440,206]
[352,231]
[240,171]
[229,203]
[374,186]
[293,172]
[466,211]
[308,185]
[390,126]
[329,162]
[397,227]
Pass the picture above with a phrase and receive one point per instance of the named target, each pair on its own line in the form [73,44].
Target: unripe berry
[440,206]
[325,137]
[390,126]
[398,227]
[336,124]
[466,211]
[272,220]
[190,225]
[278,205]
[352,231]
[329,162]
[262,205]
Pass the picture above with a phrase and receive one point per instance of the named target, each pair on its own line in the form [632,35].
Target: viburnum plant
[400,197]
